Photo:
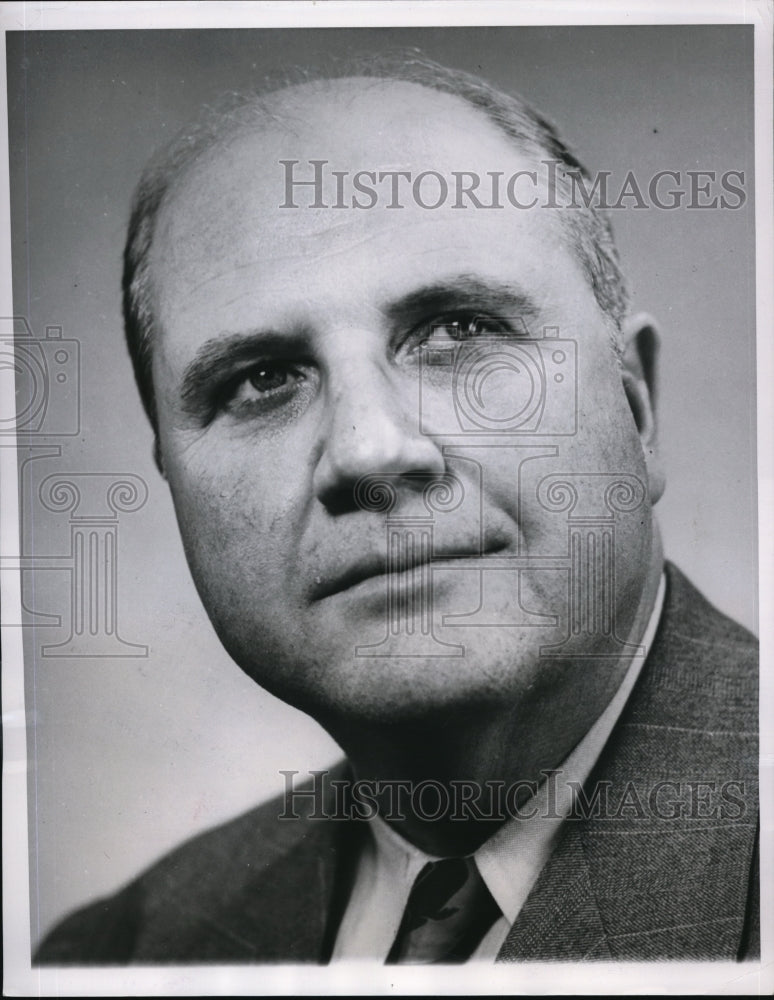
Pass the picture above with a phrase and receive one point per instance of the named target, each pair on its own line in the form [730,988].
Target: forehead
[226,230]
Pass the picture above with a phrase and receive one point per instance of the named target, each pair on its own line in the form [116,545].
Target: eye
[264,386]
[268,376]
[463,326]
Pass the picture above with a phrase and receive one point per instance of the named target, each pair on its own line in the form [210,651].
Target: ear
[639,373]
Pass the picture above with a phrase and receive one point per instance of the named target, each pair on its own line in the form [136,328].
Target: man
[407,424]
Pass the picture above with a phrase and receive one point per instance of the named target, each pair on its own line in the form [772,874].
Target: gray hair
[588,227]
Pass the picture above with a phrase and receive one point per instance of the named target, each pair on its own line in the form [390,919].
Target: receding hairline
[360,86]
[285,107]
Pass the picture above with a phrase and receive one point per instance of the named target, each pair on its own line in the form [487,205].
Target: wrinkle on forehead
[385,126]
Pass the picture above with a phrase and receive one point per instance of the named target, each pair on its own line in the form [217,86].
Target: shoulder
[688,613]
[702,671]
[156,914]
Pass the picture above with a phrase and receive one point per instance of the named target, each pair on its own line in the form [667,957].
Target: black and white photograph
[387,469]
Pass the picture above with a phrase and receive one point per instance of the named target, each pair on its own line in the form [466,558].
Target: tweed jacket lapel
[658,865]
[560,920]
[287,915]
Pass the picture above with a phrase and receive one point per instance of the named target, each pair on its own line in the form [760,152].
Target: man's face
[301,350]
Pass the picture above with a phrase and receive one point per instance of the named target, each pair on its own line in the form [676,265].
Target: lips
[375,565]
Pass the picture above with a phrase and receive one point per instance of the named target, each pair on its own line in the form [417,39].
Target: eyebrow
[467,291]
[217,358]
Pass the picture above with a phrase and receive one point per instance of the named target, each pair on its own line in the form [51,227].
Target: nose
[373,427]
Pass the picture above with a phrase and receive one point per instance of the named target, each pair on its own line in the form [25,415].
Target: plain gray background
[128,757]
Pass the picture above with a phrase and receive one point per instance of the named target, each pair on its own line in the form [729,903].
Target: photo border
[597,978]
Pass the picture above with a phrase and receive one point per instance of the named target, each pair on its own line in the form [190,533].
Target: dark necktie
[449,910]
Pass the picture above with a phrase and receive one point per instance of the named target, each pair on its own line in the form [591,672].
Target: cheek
[547,483]
[236,522]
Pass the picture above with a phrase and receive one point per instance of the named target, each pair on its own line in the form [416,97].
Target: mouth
[408,562]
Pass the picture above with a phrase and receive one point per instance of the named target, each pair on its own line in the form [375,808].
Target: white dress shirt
[509,861]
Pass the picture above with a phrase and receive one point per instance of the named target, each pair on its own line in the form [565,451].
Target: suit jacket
[640,877]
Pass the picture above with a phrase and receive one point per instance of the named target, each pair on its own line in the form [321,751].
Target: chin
[380,684]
